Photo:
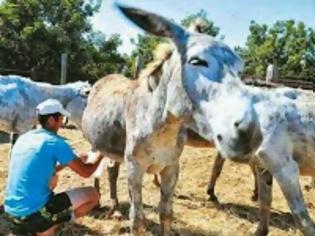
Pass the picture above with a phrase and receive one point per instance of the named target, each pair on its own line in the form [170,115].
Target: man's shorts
[57,210]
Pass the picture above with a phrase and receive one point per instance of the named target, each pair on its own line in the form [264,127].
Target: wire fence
[290,82]
[32,74]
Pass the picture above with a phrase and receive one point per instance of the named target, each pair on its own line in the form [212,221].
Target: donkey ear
[155,24]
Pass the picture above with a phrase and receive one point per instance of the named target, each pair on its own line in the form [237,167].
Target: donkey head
[203,59]
[233,123]
[76,108]
[78,100]
[81,88]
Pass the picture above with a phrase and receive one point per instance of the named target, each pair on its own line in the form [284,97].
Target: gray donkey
[142,122]
[275,132]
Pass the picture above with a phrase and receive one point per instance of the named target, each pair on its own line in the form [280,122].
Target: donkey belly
[303,140]
[160,149]
[106,134]
[304,155]
[103,123]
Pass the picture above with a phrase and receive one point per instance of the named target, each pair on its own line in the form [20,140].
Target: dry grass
[193,215]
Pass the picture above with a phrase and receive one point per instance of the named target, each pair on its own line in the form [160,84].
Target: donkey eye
[237,124]
[195,61]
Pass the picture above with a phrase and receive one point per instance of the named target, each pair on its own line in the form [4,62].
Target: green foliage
[287,44]
[144,48]
[34,33]
[209,27]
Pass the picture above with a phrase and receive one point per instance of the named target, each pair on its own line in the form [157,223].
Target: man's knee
[81,196]
[95,195]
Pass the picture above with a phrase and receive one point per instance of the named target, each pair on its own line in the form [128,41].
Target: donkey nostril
[236,124]
[219,137]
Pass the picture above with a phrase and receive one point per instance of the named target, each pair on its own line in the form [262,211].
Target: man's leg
[49,232]
[83,200]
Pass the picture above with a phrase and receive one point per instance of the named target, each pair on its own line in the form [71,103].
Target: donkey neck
[63,93]
[178,102]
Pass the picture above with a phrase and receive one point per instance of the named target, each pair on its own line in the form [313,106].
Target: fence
[295,83]
[278,82]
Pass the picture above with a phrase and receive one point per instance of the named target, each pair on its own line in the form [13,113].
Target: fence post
[63,78]
[138,66]
[271,73]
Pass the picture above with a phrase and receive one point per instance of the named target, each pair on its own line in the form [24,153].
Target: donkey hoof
[254,197]
[309,230]
[138,231]
[260,232]
[117,215]
[213,198]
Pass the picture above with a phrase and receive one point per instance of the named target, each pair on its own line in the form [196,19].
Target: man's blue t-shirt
[33,161]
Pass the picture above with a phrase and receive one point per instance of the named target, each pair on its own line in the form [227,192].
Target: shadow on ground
[251,214]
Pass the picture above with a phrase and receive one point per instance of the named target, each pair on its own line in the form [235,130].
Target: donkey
[261,89]
[142,122]
[276,133]
[19,97]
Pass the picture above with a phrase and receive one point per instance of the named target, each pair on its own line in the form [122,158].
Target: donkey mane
[161,54]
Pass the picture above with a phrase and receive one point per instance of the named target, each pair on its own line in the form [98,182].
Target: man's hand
[59,168]
[93,157]
[86,169]
[83,157]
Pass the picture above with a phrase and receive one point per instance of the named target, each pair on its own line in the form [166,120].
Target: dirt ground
[193,215]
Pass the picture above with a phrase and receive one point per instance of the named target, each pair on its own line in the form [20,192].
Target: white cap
[51,106]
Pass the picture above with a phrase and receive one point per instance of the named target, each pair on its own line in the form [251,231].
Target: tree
[144,48]
[146,43]
[34,33]
[208,26]
[289,45]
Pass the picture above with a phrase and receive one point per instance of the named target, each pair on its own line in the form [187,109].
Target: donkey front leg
[264,184]
[288,179]
[287,175]
[136,216]
[216,171]
[113,172]
[169,177]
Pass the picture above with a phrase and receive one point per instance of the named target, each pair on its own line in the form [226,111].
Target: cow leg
[286,172]
[135,178]
[264,181]
[113,172]
[216,171]
[169,177]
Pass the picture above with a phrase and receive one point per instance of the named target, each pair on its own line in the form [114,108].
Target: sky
[232,16]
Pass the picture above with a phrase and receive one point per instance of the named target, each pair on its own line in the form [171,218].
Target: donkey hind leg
[97,187]
[135,178]
[113,172]
[264,181]
[255,191]
[216,171]
[169,176]
[287,176]
[156,180]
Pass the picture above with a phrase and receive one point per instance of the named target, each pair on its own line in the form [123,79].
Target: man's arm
[85,169]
